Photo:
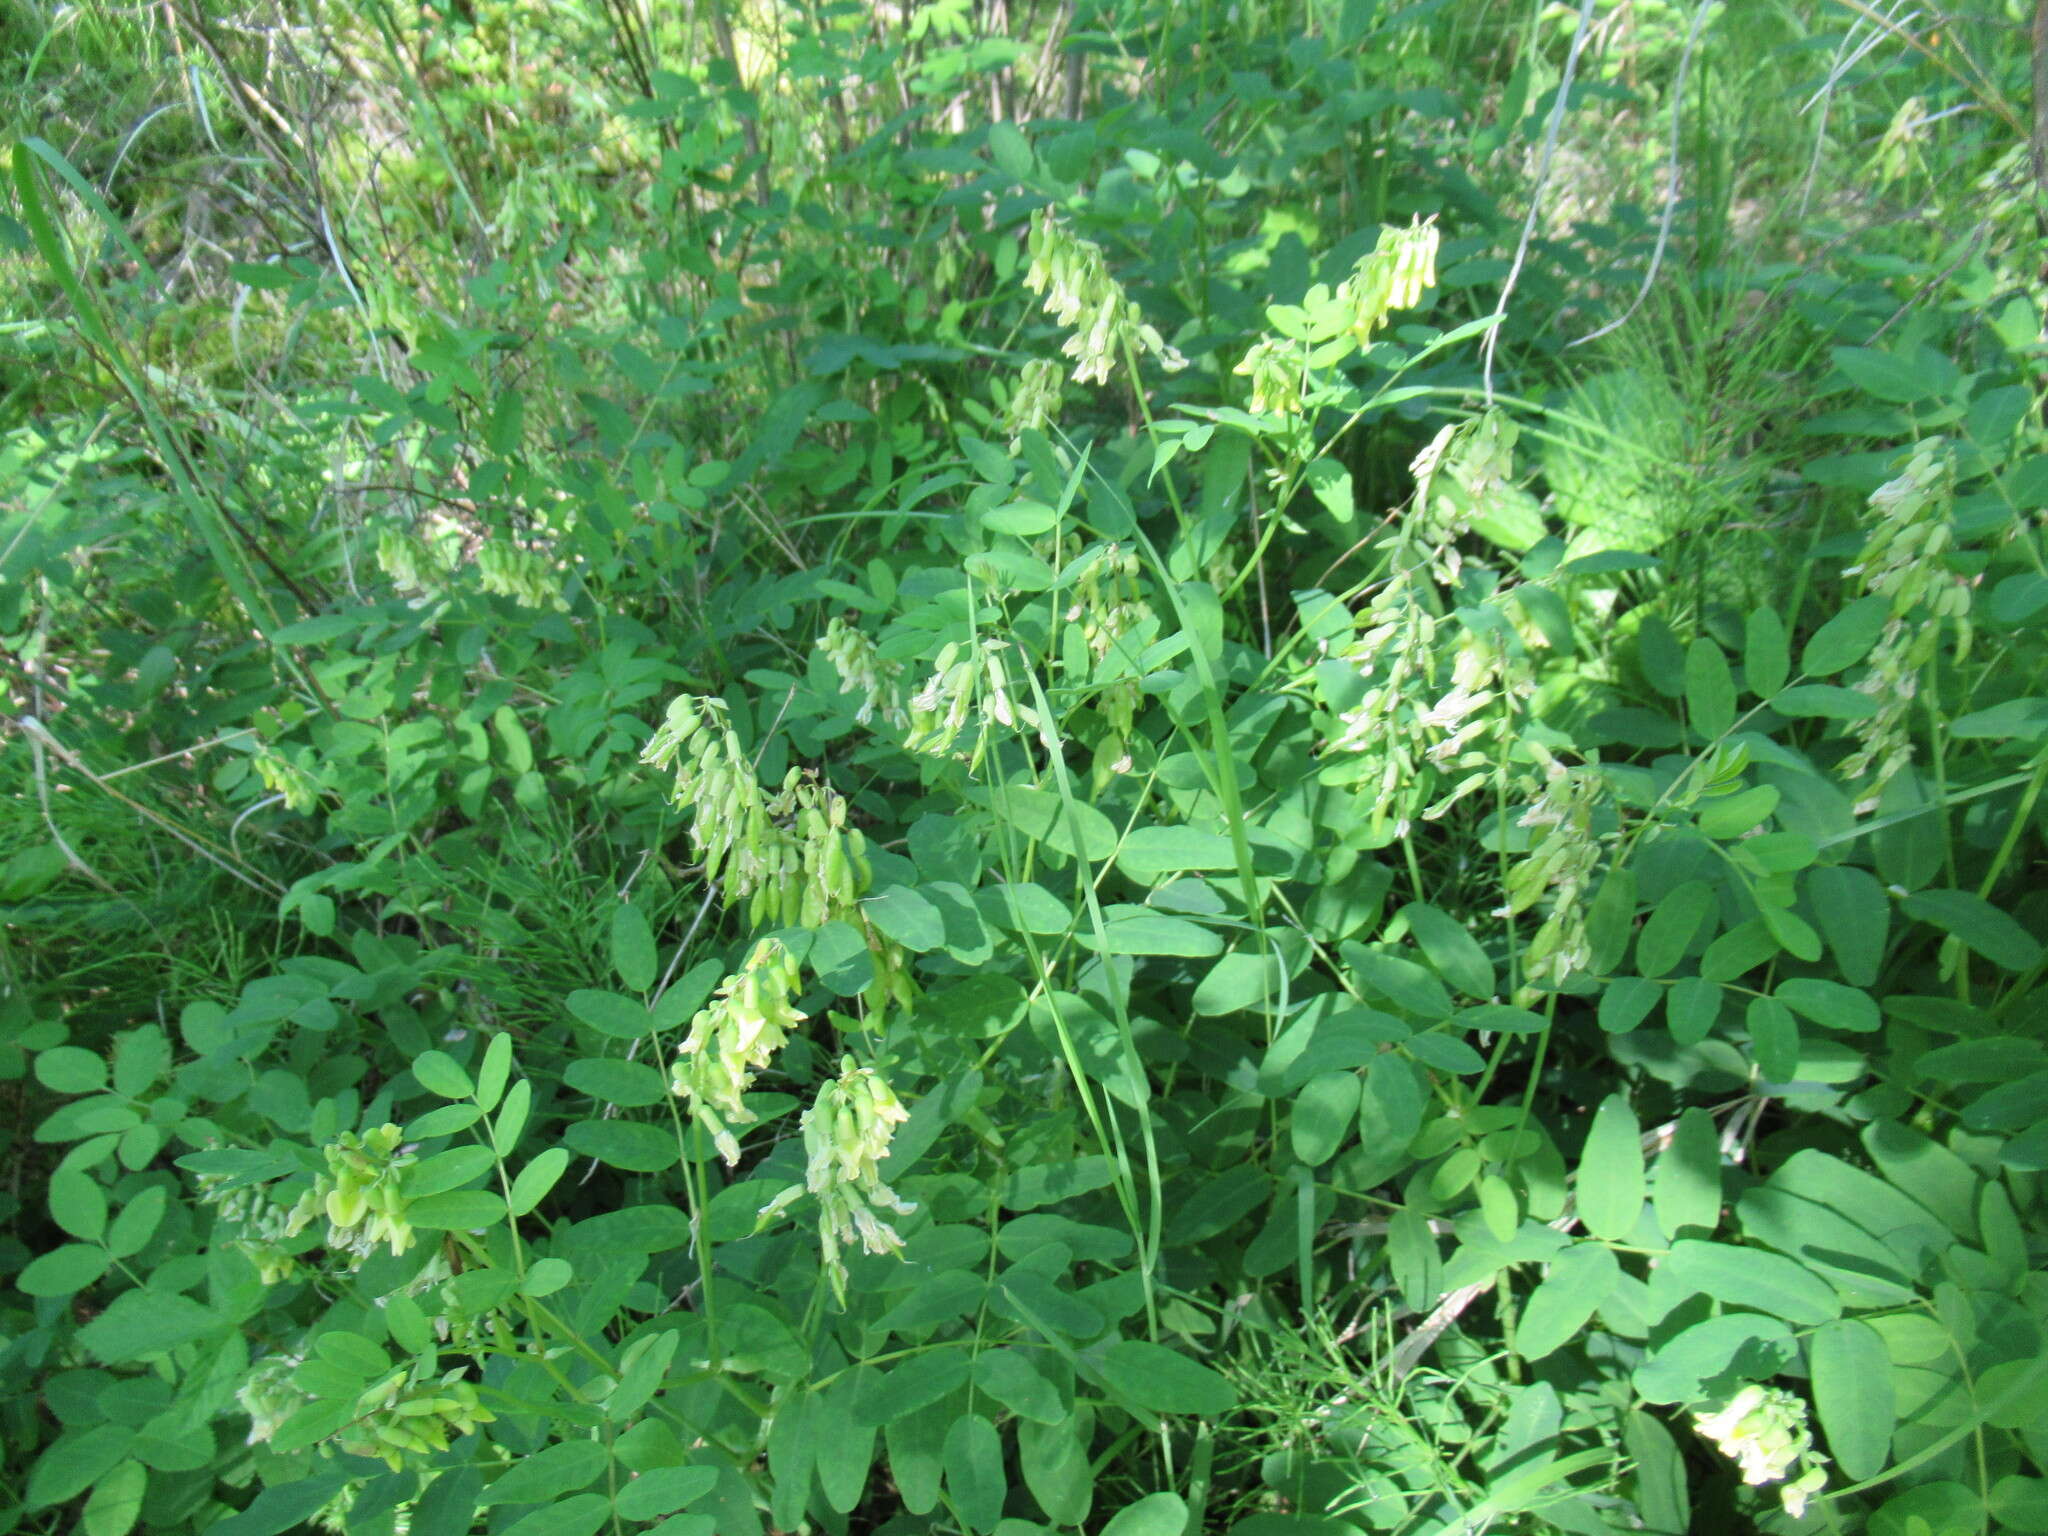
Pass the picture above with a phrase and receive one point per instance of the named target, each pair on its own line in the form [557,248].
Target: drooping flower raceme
[1561,865]
[1902,561]
[359,1194]
[1035,400]
[400,1420]
[863,672]
[1080,292]
[1394,275]
[714,780]
[734,1037]
[1763,1430]
[847,1132]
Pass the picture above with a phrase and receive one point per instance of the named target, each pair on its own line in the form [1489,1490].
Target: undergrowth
[1130,768]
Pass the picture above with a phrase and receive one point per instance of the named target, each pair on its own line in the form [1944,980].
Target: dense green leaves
[1109,869]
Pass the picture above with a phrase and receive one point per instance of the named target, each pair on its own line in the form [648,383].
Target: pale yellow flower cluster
[863,672]
[1035,400]
[399,1419]
[1562,866]
[847,1132]
[1763,1430]
[735,1037]
[1080,292]
[359,1194]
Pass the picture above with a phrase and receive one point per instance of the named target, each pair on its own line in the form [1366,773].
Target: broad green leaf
[1766,653]
[1450,948]
[1238,982]
[536,1179]
[643,1367]
[610,1080]
[511,1122]
[1789,932]
[63,1271]
[581,1515]
[916,1383]
[1727,817]
[1129,930]
[1626,1002]
[1048,1183]
[1063,824]
[1008,1376]
[1401,983]
[916,1442]
[1054,1459]
[116,1502]
[1692,1009]
[1150,852]
[610,1013]
[1010,150]
[1854,916]
[1846,638]
[70,1069]
[1415,1259]
[1885,375]
[460,1210]
[283,1507]
[1852,1394]
[1579,1281]
[1157,1514]
[447,1170]
[1823,701]
[1610,1181]
[1325,1110]
[139,1324]
[1709,688]
[1715,1356]
[908,917]
[1992,933]
[442,1075]
[632,943]
[974,1471]
[1685,1188]
[1752,1277]
[548,1474]
[663,1491]
[1662,1499]
[2015,719]
[1830,1004]
[1774,1039]
[1934,1178]
[630,1144]
[1611,921]
[1672,926]
[352,1352]
[495,1072]
[1165,1380]
[845,1455]
[544,1277]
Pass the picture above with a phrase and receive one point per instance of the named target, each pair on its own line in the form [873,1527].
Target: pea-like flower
[359,1194]
[847,1132]
[1080,292]
[735,1037]
[1763,1430]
